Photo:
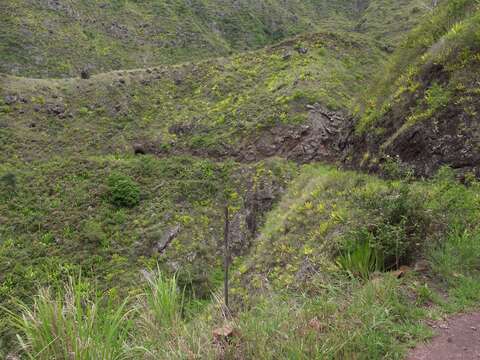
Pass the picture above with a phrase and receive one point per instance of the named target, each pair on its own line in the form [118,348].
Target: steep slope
[63,141]
[424,113]
[110,175]
[327,217]
[248,107]
[59,38]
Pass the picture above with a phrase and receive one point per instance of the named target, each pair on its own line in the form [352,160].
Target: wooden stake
[227,258]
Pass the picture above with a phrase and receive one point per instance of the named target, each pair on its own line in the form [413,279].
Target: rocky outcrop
[166,239]
[449,135]
[321,138]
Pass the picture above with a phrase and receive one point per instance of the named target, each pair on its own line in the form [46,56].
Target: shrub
[454,206]
[123,191]
[395,168]
[72,326]
[8,185]
[393,236]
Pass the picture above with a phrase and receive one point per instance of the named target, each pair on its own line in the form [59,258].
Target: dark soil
[458,338]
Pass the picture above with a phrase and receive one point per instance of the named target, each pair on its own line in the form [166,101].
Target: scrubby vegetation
[113,184]
[448,37]
[63,222]
[330,218]
[59,39]
[72,324]
[431,86]
[376,313]
[211,108]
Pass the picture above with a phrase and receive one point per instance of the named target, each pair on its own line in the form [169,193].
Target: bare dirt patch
[458,338]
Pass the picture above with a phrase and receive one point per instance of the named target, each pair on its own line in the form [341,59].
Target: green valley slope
[424,112]
[60,38]
[218,108]
[63,140]
[129,171]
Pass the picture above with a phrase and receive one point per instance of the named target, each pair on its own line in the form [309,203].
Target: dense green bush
[403,224]
[393,237]
[8,185]
[123,191]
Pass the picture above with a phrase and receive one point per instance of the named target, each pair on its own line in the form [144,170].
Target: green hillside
[217,107]
[425,111]
[70,136]
[114,184]
[62,38]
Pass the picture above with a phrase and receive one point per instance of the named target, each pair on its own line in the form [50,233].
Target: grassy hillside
[113,187]
[63,140]
[215,107]
[61,38]
[108,217]
[322,224]
[294,289]
[425,111]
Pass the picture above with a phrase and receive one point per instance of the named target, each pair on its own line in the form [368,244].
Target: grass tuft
[72,325]
[164,300]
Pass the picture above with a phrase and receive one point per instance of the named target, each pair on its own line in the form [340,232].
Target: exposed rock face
[450,136]
[139,149]
[142,147]
[239,234]
[10,99]
[315,140]
[321,138]
[56,109]
[451,139]
[258,200]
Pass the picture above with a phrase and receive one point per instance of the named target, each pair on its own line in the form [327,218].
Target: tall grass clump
[459,253]
[161,308]
[361,258]
[72,325]
[163,300]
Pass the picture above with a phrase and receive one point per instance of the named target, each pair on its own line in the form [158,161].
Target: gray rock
[10,99]
[166,239]
[286,55]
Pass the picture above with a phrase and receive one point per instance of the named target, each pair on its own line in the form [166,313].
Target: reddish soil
[458,338]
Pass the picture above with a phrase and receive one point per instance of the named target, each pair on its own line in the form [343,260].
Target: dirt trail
[458,338]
